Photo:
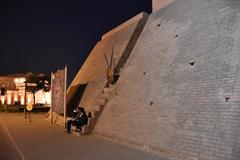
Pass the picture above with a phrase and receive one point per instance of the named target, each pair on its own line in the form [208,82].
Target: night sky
[42,36]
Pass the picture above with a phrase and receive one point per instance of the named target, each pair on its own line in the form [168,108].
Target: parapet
[125,24]
[158,4]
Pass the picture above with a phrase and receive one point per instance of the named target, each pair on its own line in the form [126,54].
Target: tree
[3,91]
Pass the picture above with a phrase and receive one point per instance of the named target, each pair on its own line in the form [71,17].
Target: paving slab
[39,139]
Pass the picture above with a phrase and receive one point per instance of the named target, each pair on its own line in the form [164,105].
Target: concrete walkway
[38,140]
[8,149]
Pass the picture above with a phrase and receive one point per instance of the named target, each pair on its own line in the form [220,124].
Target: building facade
[13,91]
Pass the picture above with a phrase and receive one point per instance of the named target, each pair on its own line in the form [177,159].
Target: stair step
[111,86]
[102,96]
[94,113]
[107,95]
[107,90]
[84,131]
[96,110]
[101,101]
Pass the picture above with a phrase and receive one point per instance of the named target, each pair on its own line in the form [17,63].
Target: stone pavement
[41,140]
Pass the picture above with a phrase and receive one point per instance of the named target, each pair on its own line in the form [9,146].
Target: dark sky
[42,36]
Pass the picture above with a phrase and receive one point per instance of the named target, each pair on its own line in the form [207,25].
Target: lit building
[13,91]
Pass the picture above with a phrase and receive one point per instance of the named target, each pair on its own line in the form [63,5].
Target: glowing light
[22,101]
[15,98]
[19,80]
[9,99]
[42,97]
[2,99]
[29,98]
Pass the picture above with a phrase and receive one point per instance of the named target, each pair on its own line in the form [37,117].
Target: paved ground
[40,140]
[8,150]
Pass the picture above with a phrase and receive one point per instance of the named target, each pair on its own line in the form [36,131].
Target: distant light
[29,98]
[9,99]
[2,99]
[15,98]
[22,100]
[19,80]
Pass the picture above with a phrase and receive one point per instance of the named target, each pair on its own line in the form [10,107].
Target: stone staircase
[96,111]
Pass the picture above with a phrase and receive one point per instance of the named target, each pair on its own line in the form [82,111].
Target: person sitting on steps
[79,119]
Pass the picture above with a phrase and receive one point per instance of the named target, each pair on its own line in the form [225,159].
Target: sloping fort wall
[179,92]
[92,74]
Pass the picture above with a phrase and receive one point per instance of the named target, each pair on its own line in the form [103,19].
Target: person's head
[80,109]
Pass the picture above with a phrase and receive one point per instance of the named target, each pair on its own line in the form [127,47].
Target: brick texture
[179,93]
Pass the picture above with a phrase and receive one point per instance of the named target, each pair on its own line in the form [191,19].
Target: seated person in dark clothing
[79,119]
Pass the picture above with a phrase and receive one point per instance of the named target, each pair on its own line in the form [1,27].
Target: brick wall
[179,93]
